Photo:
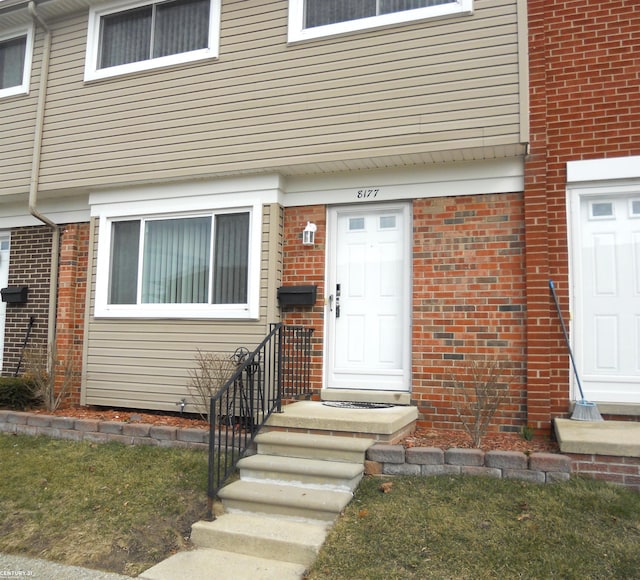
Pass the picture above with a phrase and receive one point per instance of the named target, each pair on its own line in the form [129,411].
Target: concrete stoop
[616,438]
[279,512]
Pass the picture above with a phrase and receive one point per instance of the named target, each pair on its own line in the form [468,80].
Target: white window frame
[297,31]
[23,88]
[91,70]
[120,212]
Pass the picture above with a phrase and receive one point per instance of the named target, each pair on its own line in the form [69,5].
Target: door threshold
[366,396]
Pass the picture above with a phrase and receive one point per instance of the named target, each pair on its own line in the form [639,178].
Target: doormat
[356,405]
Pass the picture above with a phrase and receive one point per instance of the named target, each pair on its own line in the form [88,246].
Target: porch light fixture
[309,234]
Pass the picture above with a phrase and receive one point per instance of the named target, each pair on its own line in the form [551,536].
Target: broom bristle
[586,411]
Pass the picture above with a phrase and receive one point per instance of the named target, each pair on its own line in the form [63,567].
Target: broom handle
[566,336]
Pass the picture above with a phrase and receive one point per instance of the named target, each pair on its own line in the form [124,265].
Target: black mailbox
[297,295]
[15,294]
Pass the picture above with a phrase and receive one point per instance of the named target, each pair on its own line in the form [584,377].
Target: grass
[123,509]
[457,527]
[111,507]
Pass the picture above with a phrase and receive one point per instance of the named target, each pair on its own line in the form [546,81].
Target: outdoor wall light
[309,234]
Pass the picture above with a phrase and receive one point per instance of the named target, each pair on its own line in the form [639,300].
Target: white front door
[4,278]
[608,298]
[368,298]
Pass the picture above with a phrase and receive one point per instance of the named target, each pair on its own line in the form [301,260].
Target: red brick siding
[468,300]
[468,288]
[305,265]
[72,289]
[29,265]
[619,470]
[584,105]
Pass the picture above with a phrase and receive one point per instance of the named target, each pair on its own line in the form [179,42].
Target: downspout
[35,172]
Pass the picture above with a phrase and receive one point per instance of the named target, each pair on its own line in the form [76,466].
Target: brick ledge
[537,467]
[96,431]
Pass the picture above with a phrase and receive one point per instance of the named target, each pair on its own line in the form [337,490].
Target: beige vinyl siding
[426,86]
[144,364]
[17,122]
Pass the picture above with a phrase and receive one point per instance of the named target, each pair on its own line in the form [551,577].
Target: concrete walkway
[23,567]
[618,438]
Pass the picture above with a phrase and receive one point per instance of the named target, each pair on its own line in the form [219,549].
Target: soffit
[15,12]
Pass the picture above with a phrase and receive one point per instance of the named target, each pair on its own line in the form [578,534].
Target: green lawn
[111,507]
[124,509]
[473,527]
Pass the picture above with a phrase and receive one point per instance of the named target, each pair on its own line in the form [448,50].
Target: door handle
[334,300]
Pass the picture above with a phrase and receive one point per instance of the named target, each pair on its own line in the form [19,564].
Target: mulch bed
[128,416]
[441,438]
[445,439]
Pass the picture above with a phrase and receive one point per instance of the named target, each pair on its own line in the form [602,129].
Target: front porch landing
[386,425]
[617,438]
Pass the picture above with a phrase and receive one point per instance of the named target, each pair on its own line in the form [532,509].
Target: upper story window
[15,62]
[316,18]
[129,37]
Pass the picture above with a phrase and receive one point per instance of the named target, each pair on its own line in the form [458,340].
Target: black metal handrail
[278,368]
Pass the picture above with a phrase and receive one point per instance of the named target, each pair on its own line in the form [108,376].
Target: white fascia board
[65,211]
[445,180]
[612,168]
[178,196]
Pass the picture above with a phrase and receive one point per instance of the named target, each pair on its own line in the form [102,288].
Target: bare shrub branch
[477,395]
[52,377]
[212,371]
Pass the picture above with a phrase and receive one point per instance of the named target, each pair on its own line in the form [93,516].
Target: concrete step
[618,438]
[288,501]
[205,564]
[261,536]
[387,425]
[333,448]
[323,474]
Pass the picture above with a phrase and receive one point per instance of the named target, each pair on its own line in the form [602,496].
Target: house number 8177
[367,193]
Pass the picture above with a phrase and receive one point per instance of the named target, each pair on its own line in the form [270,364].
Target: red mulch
[444,439]
[128,416]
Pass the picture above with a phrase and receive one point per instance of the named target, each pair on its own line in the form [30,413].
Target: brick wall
[619,470]
[303,266]
[468,301]
[468,288]
[72,289]
[29,265]
[584,105]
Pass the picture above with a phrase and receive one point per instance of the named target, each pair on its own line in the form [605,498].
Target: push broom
[584,410]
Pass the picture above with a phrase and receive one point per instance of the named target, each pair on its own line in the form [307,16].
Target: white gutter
[35,172]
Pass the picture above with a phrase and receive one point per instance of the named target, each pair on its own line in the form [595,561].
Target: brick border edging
[381,458]
[96,431]
[538,467]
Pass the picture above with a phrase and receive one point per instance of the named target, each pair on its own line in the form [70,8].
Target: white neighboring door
[608,299]
[368,298]
[4,278]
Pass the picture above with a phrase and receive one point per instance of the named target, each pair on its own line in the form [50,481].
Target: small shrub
[527,432]
[477,395]
[212,371]
[51,376]
[18,393]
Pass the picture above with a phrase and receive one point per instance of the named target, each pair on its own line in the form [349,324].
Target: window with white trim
[186,265]
[315,18]
[135,36]
[15,62]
